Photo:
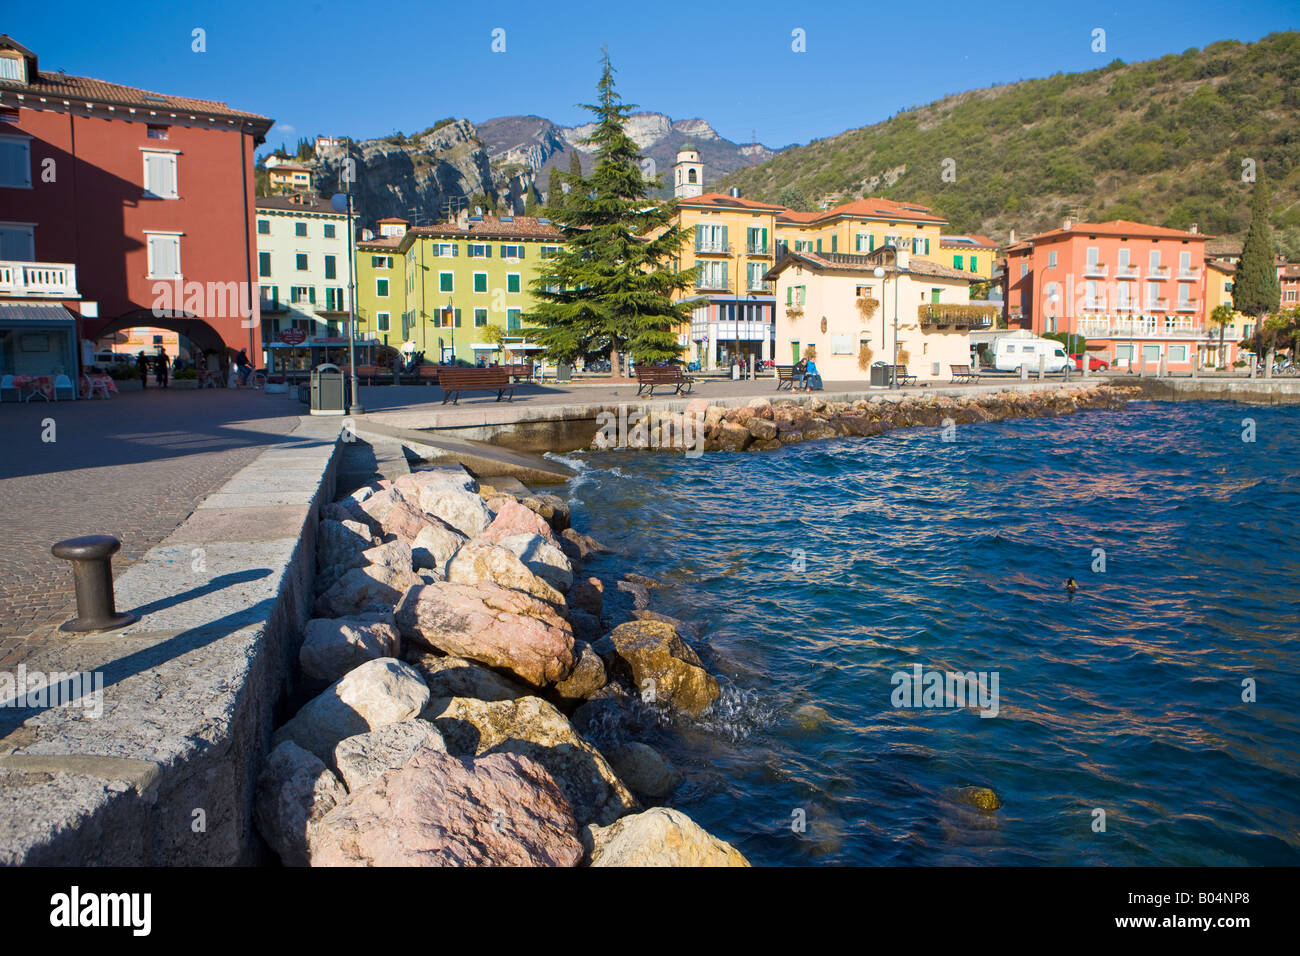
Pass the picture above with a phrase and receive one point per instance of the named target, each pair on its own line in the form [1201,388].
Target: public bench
[650,376]
[454,381]
[899,376]
[786,377]
[964,374]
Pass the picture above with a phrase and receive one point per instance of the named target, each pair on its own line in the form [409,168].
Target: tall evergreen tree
[555,194]
[610,289]
[575,166]
[1255,288]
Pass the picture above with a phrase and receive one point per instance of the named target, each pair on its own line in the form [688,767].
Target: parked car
[1094,364]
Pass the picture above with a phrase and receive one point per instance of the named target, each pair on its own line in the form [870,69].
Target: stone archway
[205,338]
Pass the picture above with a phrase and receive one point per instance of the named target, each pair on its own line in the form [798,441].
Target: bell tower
[688,173]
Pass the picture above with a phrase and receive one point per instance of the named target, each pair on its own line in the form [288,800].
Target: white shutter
[160,175]
[164,256]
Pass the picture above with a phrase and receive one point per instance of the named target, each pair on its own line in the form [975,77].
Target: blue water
[953,555]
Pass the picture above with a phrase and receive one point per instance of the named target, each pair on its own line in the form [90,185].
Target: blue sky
[371,69]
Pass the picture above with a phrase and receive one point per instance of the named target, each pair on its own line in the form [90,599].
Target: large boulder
[379,692]
[732,436]
[339,546]
[578,546]
[481,560]
[587,595]
[660,837]
[333,646]
[534,728]
[644,770]
[543,558]
[661,663]
[587,678]
[552,508]
[512,518]
[493,625]
[761,429]
[394,554]
[450,495]
[369,756]
[438,810]
[434,546]
[374,587]
[457,677]
[294,790]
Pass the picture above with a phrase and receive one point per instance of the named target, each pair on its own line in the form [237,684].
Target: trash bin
[563,372]
[327,390]
[879,375]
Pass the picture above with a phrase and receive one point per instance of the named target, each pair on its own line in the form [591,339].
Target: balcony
[1126,272]
[1095,305]
[760,287]
[48,280]
[1122,328]
[758,250]
[956,316]
[1158,272]
[1190,274]
[711,284]
[713,249]
[1190,305]
[1094,270]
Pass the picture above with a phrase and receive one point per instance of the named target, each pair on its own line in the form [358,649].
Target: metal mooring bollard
[92,570]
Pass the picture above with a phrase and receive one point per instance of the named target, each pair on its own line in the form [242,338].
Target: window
[300,229]
[301,293]
[15,160]
[329,231]
[164,255]
[1124,353]
[1024,269]
[934,296]
[711,238]
[381,262]
[480,282]
[1178,353]
[1051,260]
[381,320]
[512,282]
[444,250]
[156,132]
[512,252]
[13,68]
[835,243]
[796,294]
[330,271]
[550,252]
[263,227]
[1154,262]
[513,320]
[17,244]
[301,259]
[1123,265]
[446,282]
[957,262]
[160,175]
[264,264]
[755,272]
[974,264]
[480,250]
[480,318]
[381,288]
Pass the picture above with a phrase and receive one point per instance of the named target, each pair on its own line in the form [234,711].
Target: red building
[1136,293]
[127,208]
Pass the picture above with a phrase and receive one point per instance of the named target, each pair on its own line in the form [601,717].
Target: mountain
[539,144]
[1161,141]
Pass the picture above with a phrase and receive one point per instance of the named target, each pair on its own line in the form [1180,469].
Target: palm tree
[1222,316]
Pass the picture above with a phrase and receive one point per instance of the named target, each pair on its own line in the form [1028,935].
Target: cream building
[844,306]
[302,257]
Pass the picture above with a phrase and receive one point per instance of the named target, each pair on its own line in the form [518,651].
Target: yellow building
[861,227]
[968,253]
[285,174]
[732,244]
[381,289]
[1219,275]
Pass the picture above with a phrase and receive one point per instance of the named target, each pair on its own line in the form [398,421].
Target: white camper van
[1010,353]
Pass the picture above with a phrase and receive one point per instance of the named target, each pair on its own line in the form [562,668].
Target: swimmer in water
[1070,586]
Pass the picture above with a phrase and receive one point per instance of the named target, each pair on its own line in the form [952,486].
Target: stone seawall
[1258,391]
[164,773]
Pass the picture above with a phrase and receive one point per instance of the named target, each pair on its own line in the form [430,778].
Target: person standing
[142,364]
[160,367]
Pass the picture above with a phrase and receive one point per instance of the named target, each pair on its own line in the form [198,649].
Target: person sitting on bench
[811,380]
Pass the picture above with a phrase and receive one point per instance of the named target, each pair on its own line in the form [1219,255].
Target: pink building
[1137,293]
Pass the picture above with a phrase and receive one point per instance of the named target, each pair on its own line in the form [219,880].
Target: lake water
[952,555]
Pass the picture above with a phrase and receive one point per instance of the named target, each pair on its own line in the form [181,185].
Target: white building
[302,264]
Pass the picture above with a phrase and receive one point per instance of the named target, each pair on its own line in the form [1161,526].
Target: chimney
[1011,238]
[1196,227]
[462,218]
[903,258]
[735,193]
[1067,225]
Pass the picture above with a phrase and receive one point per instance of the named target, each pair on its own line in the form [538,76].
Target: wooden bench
[786,377]
[369,373]
[964,374]
[899,376]
[648,376]
[521,372]
[456,380]
[428,374]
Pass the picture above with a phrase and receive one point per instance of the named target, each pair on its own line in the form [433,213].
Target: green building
[381,284]
[466,287]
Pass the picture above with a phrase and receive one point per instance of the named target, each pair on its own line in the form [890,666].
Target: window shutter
[455,250]
[15,163]
[724,268]
[699,237]
[764,239]
[789,295]
[169,176]
[835,243]
[456,318]
[311,294]
[724,239]
[871,242]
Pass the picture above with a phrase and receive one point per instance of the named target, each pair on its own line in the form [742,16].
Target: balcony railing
[1126,272]
[708,284]
[1095,270]
[1188,306]
[758,250]
[53,280]
[1190,274]
[1120,329]
[957,316]
[760,287]
[714,248]
[1158,272]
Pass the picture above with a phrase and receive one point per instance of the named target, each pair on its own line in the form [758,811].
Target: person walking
[160,367]
[142,363]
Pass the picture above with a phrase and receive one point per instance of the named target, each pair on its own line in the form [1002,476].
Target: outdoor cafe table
[34,385]
[100,381]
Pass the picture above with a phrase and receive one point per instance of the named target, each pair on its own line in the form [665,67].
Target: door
[795,347]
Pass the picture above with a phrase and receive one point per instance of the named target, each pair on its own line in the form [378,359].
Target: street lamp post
[342,202]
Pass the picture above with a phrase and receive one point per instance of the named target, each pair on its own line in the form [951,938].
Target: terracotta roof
[1119,227]
[847,262]
[1219,265]
[404,222]
[724,201]
[388,243]
[520,227]
[60,86]
[801,217]
[869,208]
[310,204]
[983,242]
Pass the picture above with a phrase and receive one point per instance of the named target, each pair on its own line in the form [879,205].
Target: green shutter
[789,295]
[974,264]
[819,245]
[724,270]
[871,242]
[456,317]
[699,237]
[724,238]
[764,240]
[835,243]
[927,245]
[956,262]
